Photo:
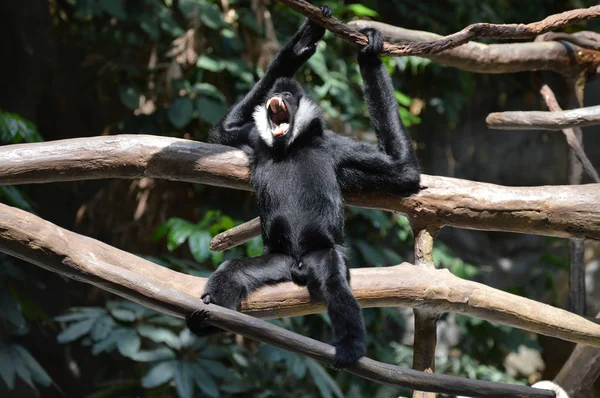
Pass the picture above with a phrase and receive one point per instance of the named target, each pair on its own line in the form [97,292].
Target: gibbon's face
[285,113]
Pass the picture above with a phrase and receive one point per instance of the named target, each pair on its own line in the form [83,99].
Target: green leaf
[323,380]
[369,253]
[254,247]
[215,367]
[237,386]
[149,25]
[160,335]
[102,328]
[361,11]
[199,243]
[37,372]
[130,97]
[210,15]
[20,366]
[15,198]
[205,382]
[210,63]
[7,368]
[128,343]
[122,314]
[115,8]
[184,382]
[15,129]
[210,110]
[159,374]
[179,232]
[11,310]
[180,112]
[159,354]
[79,315]
[75,331]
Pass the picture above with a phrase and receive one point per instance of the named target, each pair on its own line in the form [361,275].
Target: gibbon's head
[286,114]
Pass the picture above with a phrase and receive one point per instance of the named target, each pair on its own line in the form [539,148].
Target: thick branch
[88,260]
[28,237]
[478,30]
[564,58]
[561,211]
[539,120]
[570,135]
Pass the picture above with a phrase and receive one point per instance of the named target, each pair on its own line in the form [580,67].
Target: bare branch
[561,211]
[236,236]
[570,135]
[30,238]
[539,120]
[478,30]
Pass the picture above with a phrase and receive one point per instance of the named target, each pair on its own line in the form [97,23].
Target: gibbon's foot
[196,322]
[375,45]
[326,11]
[348,352]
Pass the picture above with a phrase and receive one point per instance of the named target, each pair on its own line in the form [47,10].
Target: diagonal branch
[561,211]
[30,238]
[478,30]
[88,260]
[570,134]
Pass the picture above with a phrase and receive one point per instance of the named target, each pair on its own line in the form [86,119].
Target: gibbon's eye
[287,95]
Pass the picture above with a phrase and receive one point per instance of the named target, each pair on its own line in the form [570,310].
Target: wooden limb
[570,135]
[561,211]
[478,30]
[539,120]
[236,236]
[497,58]
[580,372]
[32,239]
[585,39]
[425,334]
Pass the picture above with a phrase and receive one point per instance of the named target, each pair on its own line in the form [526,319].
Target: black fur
[299,178]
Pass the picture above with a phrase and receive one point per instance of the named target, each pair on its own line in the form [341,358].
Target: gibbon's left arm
[235,126]
[394,167]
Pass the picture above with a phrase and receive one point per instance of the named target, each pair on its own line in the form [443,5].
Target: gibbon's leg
[234,280]
[327,277]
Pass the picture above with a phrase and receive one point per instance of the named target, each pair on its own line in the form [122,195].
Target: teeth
[281,129]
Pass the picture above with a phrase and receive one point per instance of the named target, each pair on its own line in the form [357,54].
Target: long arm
[233,129]
[394,168]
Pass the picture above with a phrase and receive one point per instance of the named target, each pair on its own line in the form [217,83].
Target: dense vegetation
[172,67]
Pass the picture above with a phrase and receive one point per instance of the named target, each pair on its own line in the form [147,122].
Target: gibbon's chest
[309,175]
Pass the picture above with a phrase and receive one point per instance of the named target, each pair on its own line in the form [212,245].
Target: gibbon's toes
[196,322]
[326,11]
[375,45]
[206,298]
[347,353]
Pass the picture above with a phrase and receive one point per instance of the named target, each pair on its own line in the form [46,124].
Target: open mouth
[279,116]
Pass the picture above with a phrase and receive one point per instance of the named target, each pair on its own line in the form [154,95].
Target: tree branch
[539,120]
[32,239]
[561,211]
[478,30]
[570,135]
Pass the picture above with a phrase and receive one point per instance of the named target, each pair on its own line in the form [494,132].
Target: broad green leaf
[37,372]
[160,354]
[149,25]
[184,381]
[199,243]
[208,89]
[102,328]
[323,380]
[122,314]
[130,97]
[215,367]
[20,366]
[210,110]
[369,253]
[361,11]
[254,247]
[179,232]
[205,381]
[237,386]
[180,112]
[159,374]
[76,330]
[210,63]
[159,335]
[79,315]
[10,309]
[210,15]
[129,343]
[105,345]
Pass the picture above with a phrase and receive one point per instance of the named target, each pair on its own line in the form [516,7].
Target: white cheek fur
[307,111]
[260,121]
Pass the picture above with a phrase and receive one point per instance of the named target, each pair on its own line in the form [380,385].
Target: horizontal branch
[540,120]
[561,211]
[478,30]
[30,238]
